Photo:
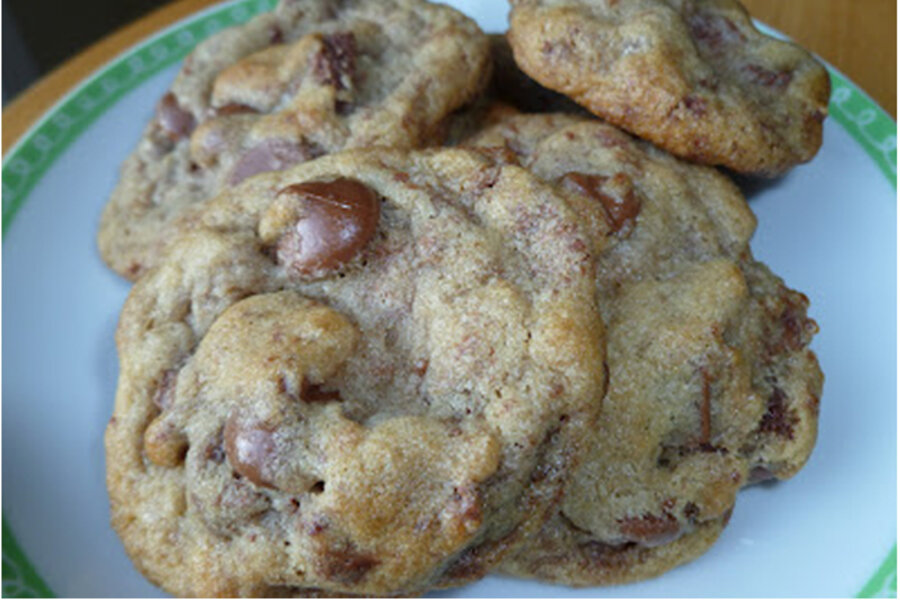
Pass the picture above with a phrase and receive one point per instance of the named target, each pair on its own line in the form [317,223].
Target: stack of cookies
[407,312]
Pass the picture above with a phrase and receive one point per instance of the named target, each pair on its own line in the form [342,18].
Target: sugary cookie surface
[712,385]
[311,78]
[695,77]
[367,374]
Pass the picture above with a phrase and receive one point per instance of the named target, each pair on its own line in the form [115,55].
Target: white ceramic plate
[829,228]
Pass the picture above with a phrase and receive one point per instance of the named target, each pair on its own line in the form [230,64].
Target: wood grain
[859,37]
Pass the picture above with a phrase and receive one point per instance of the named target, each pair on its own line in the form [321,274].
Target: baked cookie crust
[695,77]
[311,78]
[712,385]
[371,373]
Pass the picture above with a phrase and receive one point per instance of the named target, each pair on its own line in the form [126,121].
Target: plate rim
[38,149]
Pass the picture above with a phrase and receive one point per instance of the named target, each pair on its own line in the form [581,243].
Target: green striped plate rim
[36,152]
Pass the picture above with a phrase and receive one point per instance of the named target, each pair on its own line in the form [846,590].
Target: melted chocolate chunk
[335,63]
[250,448]
[502,155]
[691,511]
[337,219]
[276,35]
[767,77]
[798,328]
[270,155]
[615,194]
[233,108]
[316,393]
[176,122]
[650,530]
[347,565]
[778,418]
[714,32]
[607,556]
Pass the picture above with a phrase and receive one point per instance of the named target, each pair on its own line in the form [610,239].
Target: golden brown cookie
[695,77]
[368,374]
[311,78]
[712,385]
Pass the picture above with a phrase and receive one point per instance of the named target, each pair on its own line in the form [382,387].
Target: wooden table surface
[859,37]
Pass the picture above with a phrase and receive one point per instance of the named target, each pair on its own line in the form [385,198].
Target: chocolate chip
[420,367]
[606,556]
[346,564]
[615,194]
[250,448]
[316,393]
[798,328]
[233,108]
[778,418]
[691,511]
[502,155]
[176,122]
[650,530]
[276,35]
[134,269]
[767,77]
[335,62]
[270,155]
[337,219]
[344,108]
[318,525]
[714,32]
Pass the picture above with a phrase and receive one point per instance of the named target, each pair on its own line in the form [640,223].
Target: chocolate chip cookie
[695,77]
[370,373]
[311,78]
[712,384]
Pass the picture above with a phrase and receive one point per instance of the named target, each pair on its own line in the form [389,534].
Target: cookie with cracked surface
[368,374]
[712,385]
[695,77]
[309,79]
